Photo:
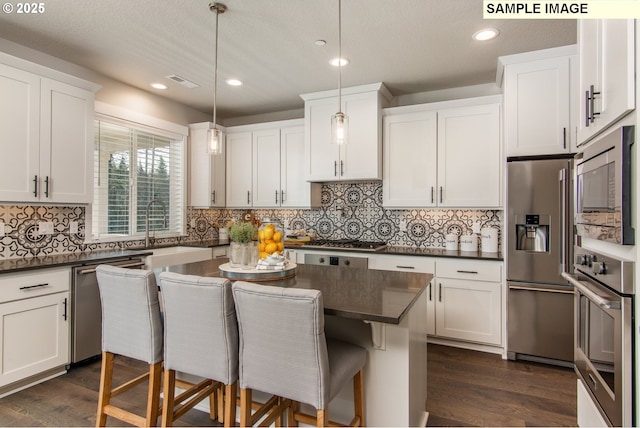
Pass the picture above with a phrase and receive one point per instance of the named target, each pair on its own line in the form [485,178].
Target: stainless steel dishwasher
[86,309]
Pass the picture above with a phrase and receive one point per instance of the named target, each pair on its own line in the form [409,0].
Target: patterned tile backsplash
[349,210]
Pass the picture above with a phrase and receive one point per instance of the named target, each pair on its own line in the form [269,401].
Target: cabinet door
[321,156]
[19,133]
[239,170]
[207,173]
[410,160]
[66,138]
[360,157]
[295,191]
[469,310]
[469,161]
[607,62]
[537,107]
[266,168]
[34,336]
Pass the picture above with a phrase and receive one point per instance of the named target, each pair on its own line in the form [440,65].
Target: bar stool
[284,352]
[131,327]
[201,339]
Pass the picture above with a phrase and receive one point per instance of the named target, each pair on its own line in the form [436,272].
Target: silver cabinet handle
[213,197]
[439,292]
[46,186]
[467,271]
[564,138]
[432,194]
[586,109]
[429,287]
[440,194]
[35,186]
[281,196]
[276,197]
[248,200]
[592,104]
[31,287]
[562,182]
[335,168]
[405,267]
[64,313]
[341,168]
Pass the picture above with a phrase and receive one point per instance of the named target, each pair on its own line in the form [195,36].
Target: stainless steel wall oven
[604,188]
[604,326]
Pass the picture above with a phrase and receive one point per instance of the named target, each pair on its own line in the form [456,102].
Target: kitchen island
[383,311]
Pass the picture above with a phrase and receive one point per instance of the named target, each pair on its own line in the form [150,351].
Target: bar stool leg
[245,407]
[291,414]
[169,398]
[230,402]
[321,417]
[104,397]
[153,397]
[358,397]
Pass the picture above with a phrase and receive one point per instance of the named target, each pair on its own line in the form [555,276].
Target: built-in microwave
[604,188]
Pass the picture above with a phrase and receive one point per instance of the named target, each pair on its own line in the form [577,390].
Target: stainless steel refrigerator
[539,247]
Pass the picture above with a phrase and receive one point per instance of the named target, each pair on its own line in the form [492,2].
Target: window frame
[122,117]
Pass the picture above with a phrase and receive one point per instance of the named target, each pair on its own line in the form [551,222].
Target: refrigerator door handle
[562,182]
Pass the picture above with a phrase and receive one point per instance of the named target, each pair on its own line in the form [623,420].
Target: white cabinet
[606,52]
[265,167]
[469,156]
[45,126]
[443,154]
[538,113]
[588,413]
[34,325]
[239,169]
[410,160]
[207,173]
[361,157]
[469,301]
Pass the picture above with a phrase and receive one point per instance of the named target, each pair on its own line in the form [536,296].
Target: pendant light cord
[215,70]
[340,55]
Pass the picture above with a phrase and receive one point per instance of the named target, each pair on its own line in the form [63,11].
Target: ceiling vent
[182,81]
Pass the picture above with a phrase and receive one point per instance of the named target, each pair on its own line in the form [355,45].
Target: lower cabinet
[468,301]
[34,324]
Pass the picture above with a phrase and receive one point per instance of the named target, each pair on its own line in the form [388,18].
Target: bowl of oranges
[270,238]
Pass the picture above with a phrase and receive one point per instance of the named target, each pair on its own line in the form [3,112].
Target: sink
[169,256]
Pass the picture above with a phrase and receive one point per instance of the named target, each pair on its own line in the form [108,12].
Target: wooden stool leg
[358,396]
[291,414]
[245,407]
[321,417]
[104,396]
[153,396]
[221,400]
[230,401]
[169,397]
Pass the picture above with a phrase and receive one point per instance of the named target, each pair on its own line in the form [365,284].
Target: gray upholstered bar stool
[131,327]
[201,339]
[284,352]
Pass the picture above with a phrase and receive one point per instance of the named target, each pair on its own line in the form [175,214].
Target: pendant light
[339,121]
[214,136]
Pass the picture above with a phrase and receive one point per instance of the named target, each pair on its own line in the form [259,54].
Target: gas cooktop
[346,244]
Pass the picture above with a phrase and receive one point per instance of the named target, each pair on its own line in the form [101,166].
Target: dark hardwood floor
[465,388]
[469,388]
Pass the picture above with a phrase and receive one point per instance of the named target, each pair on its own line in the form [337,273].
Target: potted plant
[242,234]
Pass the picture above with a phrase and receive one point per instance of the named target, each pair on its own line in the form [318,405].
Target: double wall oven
[604,332]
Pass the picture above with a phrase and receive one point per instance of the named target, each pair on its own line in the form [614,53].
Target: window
[137,168]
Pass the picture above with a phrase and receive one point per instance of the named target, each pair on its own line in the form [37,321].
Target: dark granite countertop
[408,251]
[364,294]
[58,260]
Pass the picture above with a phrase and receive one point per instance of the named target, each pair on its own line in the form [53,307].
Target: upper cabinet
[265,167]
[361,157]
[207,173]
[606,52]
[445,154]
[46,125]
[539,116]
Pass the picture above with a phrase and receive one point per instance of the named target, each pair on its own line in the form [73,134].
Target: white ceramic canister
[489,240]
[469,243]
[223,233]
[451,242]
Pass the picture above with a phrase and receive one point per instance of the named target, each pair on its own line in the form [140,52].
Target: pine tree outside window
[133,165]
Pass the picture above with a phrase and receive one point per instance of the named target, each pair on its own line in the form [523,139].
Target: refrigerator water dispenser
[531,235]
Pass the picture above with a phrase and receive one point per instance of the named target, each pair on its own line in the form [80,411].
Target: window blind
[135,167]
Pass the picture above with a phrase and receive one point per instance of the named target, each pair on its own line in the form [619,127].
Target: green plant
[242,232]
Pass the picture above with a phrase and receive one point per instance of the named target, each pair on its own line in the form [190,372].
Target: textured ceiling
[410,45]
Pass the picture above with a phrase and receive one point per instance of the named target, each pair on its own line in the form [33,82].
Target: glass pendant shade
[339,128]
[214,141]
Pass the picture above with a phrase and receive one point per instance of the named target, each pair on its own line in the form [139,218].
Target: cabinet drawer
[220,252]
[402,263]
[469,269]
[16,286]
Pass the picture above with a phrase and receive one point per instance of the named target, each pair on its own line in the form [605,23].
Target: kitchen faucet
[164,216]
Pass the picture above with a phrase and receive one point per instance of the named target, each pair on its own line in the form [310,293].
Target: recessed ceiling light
[486,34]
[158,86]
[320,42]
[339,62]
[234,82]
